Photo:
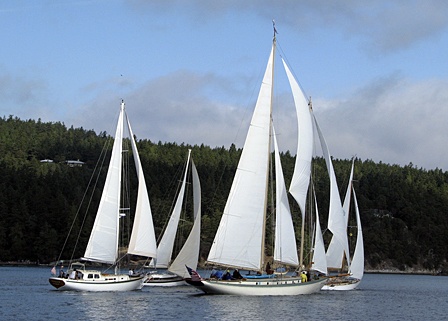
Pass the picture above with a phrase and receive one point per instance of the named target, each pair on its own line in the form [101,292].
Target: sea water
[25,294]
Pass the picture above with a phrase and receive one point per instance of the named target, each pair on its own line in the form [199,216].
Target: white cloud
[391,120]
[384,26]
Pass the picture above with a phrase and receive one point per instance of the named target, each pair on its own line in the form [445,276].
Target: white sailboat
[336,253]
[189,253]
[103,243]
[239,241]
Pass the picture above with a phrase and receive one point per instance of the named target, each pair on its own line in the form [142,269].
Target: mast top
[273,26]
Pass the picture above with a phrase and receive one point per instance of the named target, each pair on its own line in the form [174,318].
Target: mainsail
[103,241]
[239,241]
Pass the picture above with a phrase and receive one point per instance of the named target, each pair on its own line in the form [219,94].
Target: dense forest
[403,208]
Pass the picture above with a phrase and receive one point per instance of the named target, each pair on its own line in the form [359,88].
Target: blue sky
[189,71]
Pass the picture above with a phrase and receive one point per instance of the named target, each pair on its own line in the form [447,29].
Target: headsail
[285,249]
[143,239]
[302,169]
[165,247]
[189,254]
[357,265]
[336,218]
[319,260]
[335,251]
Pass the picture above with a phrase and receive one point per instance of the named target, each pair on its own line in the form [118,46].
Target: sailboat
[336,254]
[103,242]
[189,254]
[239,241]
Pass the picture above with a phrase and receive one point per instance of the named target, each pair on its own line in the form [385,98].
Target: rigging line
[101,157]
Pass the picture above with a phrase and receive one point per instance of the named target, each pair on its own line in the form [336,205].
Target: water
[25,294]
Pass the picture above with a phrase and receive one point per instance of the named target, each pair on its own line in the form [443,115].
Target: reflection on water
[107,305]
[25,294]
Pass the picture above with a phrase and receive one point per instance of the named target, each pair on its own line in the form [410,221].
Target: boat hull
[341,285]
[112,283]
[164,279]
[258,287]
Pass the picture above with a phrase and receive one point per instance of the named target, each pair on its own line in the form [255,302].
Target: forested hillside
[403,209]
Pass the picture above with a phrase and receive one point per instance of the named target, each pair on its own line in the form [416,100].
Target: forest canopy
[403,208]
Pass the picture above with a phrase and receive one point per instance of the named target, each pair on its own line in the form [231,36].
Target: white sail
[319,260]
[335,251]
[103,241]
[239,241]
[166,245]
[336,218]
[357,264]
[240,236]
[143,238]
[302,169]
[285,249]
[189,254]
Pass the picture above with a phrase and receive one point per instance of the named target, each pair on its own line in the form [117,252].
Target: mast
[302,231]
[263,239]
[239,240]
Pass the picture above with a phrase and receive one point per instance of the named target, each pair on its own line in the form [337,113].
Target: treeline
[403,208]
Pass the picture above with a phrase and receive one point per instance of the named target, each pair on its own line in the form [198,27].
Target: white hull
[164,279]
[165,283]
[120,282]
[259,287]
[344,285]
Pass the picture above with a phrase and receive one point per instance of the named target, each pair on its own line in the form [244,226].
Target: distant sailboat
[239,241]
[189,253]
[103,243]
[336,252]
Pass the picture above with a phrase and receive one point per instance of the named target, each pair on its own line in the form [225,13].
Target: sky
[189,71]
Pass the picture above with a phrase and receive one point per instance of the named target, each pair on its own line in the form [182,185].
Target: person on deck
[236,275]
[227,276]
[216,274]
[61,272]
[304,276]
[268,269]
